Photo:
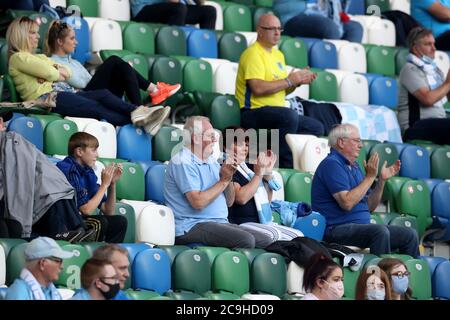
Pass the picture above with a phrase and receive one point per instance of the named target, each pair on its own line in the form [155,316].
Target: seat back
[133,144]
[230,272]
[443,61]
[419,279]
[440,163]
[268,274]
[383,91]
[315,151]
[386,152]
[441,281]
[114,9]
[166,69]
[298,187]
[382,32]
[154,183]
[391,191]
[57,135]
[151,271]
[237,17]
[324,87]
[225,78]
[88,8]
[225,112]
[231,46]
[279,194]
[202,43]
[415,162]
[70,275]
[156,225]
[323,55]
[312,225]
[197,76]
[131,184]
[173,251]
[352,57]
[167,142]
[139,38]
[30,129]
[106,34]
[294,279]
[171,40]
[106,136]
[295,52]
[297,143]
[381,60]
[192,272]
[128,212]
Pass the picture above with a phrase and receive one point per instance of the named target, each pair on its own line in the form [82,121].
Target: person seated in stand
[174,12]
[37,77]
[199,192]
[253,189]
[398,275]
[323,279]
[343,194]
[52,212]
[423,93]
[113,74]
[373,284]
[44,263]
[98,281]
[77,167]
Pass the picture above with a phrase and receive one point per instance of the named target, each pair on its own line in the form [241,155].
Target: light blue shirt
[20,290]
[419,11]
[185,173]
[137,5]
[80,76]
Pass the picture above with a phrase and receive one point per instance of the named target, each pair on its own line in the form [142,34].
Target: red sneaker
[164,91]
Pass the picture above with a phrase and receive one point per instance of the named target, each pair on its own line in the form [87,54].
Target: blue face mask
[428,60]
[375,294]
[399,285]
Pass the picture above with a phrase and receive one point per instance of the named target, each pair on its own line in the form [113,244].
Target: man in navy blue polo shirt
[342,193]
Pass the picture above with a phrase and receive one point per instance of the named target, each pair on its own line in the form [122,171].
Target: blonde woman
[37,77]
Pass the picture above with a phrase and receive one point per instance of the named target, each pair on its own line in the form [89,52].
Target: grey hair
[415,35]
[191,126]
[340,131]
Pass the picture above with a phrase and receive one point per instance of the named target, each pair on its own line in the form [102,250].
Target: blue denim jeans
[315,26]
[379,238]
[284,119]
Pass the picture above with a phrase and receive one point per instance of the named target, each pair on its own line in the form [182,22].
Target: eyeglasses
[55,259]
[401,274]
[272,28]
[357,140]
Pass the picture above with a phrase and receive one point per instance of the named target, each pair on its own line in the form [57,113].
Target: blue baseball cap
[43,247]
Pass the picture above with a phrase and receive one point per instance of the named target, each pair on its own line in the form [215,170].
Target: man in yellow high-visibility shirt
[262,84]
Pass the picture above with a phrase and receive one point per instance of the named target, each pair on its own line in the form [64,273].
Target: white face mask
[335,290]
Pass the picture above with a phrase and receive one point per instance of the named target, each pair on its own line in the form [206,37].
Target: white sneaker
[140,115]
[157,120]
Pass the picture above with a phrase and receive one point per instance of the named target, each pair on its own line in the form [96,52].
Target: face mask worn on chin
[375,294]
[399,285]
[113,290]
[335,290]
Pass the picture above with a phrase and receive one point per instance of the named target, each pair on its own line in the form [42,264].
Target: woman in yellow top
[37,77]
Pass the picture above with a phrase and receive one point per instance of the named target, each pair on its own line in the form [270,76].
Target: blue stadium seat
[441,281]
[133,249]
[133,144]
[323,55]
[145,165]
[151,271]
[202,44]
[440,211]
[154,183]
[312,225]
[383,91]
[356,7]
[432,183]
[30,129]
[82,51]
[415,162]
[187,30]
[371,77]
[433,262]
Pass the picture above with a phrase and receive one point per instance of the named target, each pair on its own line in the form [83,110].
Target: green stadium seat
[139,63]
[128,212]
[230,273]
[105,54]
[167,141]
[268,274]
[131,185]
[381,60]
[168,70]
[351,277]
[197,76]
[440,163]
[225,112]
[15,261]
[212,252]
[141,294]
[286,174]
[45,119]
[386,152]
[44,21]
[173,251]
[91,246]
[204,99]
[298,187]
[419,279]
[88,8]
[325,86]
[57,135]
[391,190]
[231,46]
[171,40]
[251,254]
[237,17]
[368,144]
[191,271]
[400,59]
[360,160]
[295,52]
[70,274]
[139,38]
[3,59]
